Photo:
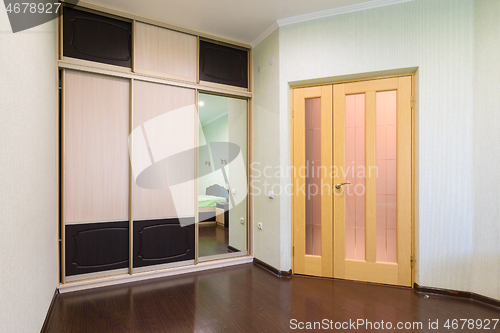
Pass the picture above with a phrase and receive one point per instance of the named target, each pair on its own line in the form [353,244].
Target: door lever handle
[338,186]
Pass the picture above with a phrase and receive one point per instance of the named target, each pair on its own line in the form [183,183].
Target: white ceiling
[240,20]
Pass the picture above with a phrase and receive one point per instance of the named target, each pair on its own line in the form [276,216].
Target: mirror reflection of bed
[213,212]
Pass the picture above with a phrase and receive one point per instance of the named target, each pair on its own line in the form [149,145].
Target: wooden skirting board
[457,294]
[275,271]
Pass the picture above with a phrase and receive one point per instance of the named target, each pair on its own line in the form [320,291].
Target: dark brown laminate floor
[247,298]
[212,240]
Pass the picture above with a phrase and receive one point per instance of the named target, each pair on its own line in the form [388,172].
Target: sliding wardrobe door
[222,177]
[95,173]
[163,157]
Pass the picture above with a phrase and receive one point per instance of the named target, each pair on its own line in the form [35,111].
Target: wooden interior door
[372,149]
[312,159]
[366,150]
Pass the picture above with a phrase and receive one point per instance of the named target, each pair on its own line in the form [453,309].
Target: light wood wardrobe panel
[165,51]
[96,165]
[164,124]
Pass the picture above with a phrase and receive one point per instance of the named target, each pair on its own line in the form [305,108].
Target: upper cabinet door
[165,52]
[223,64]
[93,37]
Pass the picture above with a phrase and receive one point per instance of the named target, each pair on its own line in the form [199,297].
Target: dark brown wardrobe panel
[163,241]
[98,38]
[96,247]
[223,64]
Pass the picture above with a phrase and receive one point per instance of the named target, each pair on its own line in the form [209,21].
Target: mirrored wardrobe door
[222,177]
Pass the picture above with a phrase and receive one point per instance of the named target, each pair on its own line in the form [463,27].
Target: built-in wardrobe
[129,140]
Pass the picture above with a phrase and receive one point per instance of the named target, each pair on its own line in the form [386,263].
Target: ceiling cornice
[325,13]
[338,11]
[266,33]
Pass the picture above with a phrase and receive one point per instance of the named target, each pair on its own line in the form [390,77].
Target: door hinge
[411,102]
[293,112]
[293,251]
[412,261]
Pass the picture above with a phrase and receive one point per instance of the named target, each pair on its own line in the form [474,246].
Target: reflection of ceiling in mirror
[211,107]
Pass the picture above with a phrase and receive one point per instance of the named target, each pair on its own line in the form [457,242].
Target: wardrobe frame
[99,279]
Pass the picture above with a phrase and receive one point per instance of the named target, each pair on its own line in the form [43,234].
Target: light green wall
[236,170]
[28,179]
[216,131]
[486,231]
[438,38]
[266,150]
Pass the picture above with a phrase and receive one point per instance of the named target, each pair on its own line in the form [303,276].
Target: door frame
[413,155]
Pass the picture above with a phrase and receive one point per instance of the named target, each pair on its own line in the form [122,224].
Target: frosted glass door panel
[312,119]
[355,166]
[386,175]
[313,176]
